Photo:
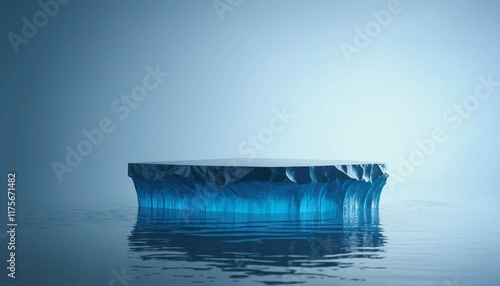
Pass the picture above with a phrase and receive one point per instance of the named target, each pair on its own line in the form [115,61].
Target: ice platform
[262,186]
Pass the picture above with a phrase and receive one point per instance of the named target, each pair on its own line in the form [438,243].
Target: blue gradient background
[227,76]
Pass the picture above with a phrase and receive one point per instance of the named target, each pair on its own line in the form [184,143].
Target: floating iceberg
[261,186]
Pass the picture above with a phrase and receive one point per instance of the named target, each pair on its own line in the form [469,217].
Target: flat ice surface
[263,162]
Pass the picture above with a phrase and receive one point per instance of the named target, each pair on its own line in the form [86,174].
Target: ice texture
[260,186]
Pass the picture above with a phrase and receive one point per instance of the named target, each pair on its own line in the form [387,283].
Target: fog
[414,84]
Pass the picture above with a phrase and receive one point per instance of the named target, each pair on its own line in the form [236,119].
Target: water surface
[408,243]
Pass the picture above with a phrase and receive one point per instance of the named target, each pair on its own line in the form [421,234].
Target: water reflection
[278,249]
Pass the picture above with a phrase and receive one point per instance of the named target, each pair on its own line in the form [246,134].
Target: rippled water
[410,243]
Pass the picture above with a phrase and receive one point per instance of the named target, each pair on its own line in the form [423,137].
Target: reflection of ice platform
[259,185]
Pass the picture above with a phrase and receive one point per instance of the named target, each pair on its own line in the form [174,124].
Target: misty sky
[174,80]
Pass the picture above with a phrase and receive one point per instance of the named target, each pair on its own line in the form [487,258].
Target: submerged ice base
[263,186]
